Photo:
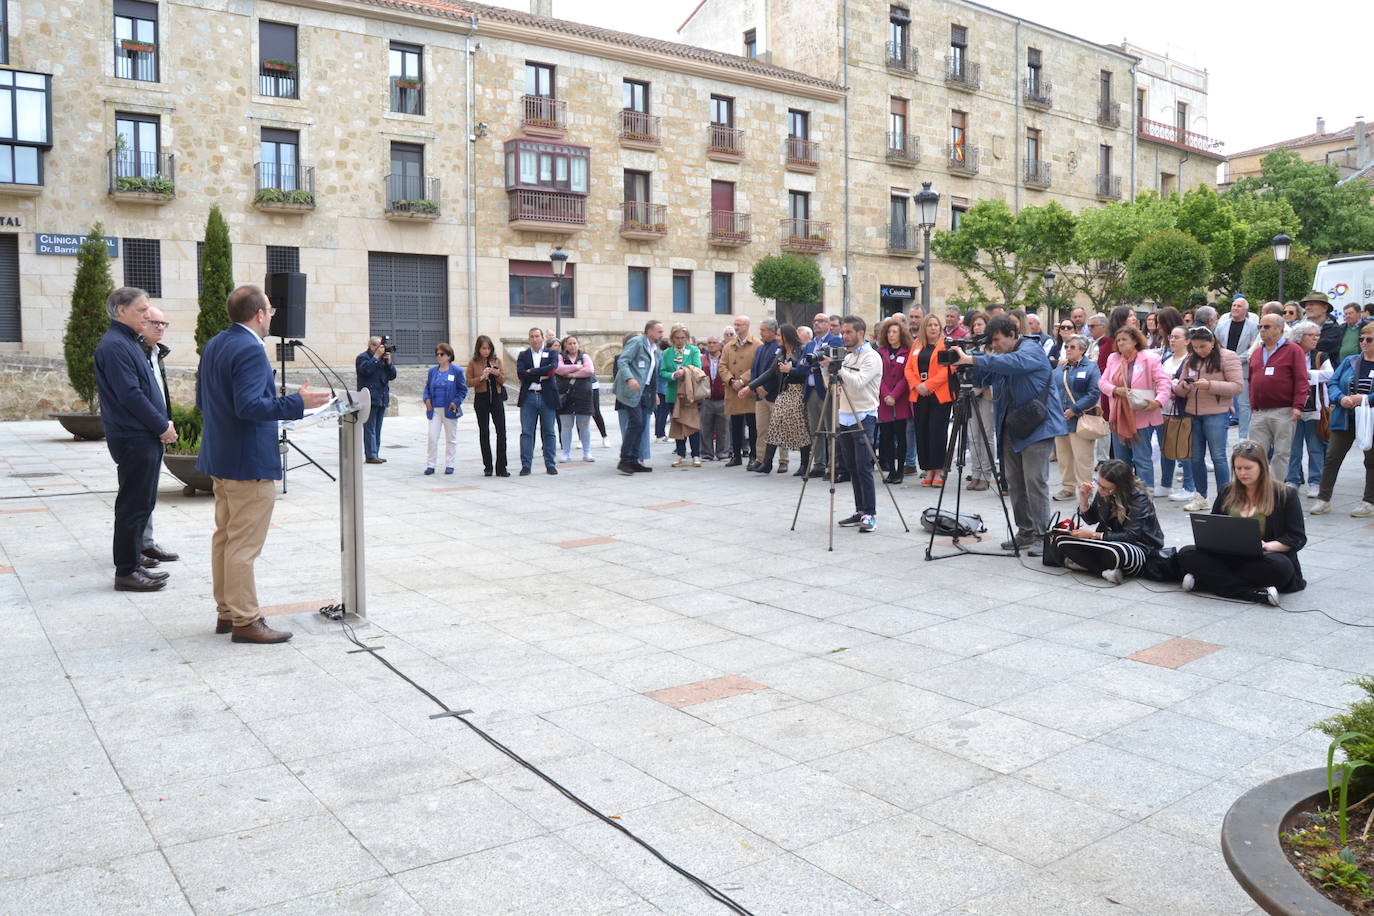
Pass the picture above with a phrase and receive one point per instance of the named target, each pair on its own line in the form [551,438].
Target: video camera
[835,354]
[973,345]
[387,345]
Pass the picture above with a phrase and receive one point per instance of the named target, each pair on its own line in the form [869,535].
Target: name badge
[450,378]
[643,364]
[1082,373]
[1268,370]
[901,359]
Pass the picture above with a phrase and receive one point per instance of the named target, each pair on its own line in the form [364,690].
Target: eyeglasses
[1066,327]
[1366,339]
[159,324]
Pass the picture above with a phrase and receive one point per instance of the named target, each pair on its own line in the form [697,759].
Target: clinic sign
[50,243]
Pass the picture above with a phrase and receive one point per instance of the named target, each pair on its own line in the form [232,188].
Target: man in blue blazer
[538,401]
[375,373]
[814,395]
[236,395]
[635,387]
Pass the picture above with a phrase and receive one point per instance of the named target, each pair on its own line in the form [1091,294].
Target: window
[798,124]
[143,265]
[1140,103]
[407,178]
[277,64]
[407,78]
[280,157]
[638,289]
[1033,82]
[637,186]
[1104,88]
[1104,161]
[1181,115]
[283,259]
[751,44]
[896,123]
[682,291]
[4,33]
[798,210]
[725,293]
[898,35]
[897,220]
[636,96]
[135,29]
[531,289]
[958,136]
[722,111]
[137,146]
[958,50]
[546,166]
[25,125]
[1032,147]
[958,206]
[539,80]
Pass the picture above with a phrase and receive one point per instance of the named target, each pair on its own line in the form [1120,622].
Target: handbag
[1324,424]
[1024,420]
[1058,526]
[1092,426]
[1178,439]
[946,523]
[701,391]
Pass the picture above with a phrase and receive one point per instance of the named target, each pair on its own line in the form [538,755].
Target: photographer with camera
[1028,417]
[375,373]
[859,373]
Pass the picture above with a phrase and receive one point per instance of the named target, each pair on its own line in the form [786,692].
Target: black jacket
[131,403]
[1140,528]
[1285,526]
[775,380]
[1333,333]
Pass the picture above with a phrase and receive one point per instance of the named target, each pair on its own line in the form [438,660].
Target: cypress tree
[216,279]
[87,320]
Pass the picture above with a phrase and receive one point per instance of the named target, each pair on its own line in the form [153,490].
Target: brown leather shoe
[223,625]
[156,575]
[138,581]
[259,632]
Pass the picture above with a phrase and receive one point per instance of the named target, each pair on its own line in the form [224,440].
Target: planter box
[183,468]
[143,197]
[137,47]
[282,206]
[81,425]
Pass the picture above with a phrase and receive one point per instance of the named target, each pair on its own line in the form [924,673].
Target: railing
[548,207]
[642,216]
[1037,173]
[903,148]
[1039,92]
[542,111]
[960,73]
[1109,187]
[805,234]
[802,152]
[413,194]
[728,225]
[901,56]
[640,127]
[903,239]
[276,183]
[135,65]
[963,158]
[407,99]
[1109,113]
[148,173]
[277,82]
[721,138]
[1177,136]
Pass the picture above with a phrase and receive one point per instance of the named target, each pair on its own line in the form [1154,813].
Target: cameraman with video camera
[860,373]
[1028,417]
[375,373]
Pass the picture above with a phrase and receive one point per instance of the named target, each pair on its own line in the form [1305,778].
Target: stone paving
[813,732]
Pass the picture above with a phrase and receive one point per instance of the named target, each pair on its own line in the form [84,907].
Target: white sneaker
[1312,490]
[696,462]
[565,458]
[605,444]
[1181,496]
[1363,510]
[1320,507]
[1063,494]
[1161,491]
[1198,503]
[587,456]
[1189,583]
[1271,595]
[1113,576]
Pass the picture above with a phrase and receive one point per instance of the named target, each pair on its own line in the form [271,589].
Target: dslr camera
[835,354]
[388,346]
[972,345]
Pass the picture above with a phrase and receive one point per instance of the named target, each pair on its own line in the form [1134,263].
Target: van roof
[1356,256]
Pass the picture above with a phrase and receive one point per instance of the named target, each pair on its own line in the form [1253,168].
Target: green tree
[1103,240]
[1260,278]
[1333,217]
[787,278]
[87,320]
[216,279]
[1166,266]
[1232,230]
[1000,255]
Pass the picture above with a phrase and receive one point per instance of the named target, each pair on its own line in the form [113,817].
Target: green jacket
[673,360]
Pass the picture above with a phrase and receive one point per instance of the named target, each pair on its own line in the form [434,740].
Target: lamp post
[1049,297]
[558,259]
[1282,245]
[927,208]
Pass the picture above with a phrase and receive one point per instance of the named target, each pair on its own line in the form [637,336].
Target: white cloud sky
[1273,67]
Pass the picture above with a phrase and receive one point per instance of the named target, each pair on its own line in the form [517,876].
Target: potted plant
[403,82]
[134,46]
[180,457]
[86,324]
[1303,843]
[283,66]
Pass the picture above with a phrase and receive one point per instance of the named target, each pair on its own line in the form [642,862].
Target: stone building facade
[1349,150]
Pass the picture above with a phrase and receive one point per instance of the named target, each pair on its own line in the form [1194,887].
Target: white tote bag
[1364,425]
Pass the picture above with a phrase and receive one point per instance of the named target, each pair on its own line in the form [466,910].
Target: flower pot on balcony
[137,47]
[282,66]
[86,426]
[408,84]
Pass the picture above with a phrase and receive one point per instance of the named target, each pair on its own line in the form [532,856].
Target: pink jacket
[580,369]
[893,385]
[1146,373]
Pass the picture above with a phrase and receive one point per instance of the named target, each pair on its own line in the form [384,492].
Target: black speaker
[286,291]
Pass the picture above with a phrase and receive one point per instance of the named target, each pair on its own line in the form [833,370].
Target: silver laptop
[1227,534]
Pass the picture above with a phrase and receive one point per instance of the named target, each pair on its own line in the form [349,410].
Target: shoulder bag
[1177,444]
[1024,420]
[1091,425]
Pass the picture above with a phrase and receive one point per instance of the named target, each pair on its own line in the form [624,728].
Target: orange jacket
[937,376]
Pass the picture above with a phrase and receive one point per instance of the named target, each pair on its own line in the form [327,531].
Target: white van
[1346,279]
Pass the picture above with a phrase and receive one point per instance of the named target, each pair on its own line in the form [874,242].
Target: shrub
[1358,718]
[1166,265]
[188,422]
[216,279]
[787,278]
[1259,280]
[87,320]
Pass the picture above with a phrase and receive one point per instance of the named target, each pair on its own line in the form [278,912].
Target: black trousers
[892,444]
[139,461]
[596,412]
[493,413]
[739,423]
[932,432]
[1236,577]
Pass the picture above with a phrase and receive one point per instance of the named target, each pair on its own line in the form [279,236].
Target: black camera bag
[946,523]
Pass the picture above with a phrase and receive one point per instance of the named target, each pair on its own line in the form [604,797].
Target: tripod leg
[956,445]
[1001,480]
[307,457]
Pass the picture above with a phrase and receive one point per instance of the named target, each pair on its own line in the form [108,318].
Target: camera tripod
[959,445]
[829,436]
[287,350]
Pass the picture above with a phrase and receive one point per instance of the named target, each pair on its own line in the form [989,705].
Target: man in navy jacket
[236,395]
[375,373]
[538,401]
[137,425]
[814,395]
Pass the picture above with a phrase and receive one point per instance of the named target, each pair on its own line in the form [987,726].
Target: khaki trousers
[763,412]
[1075,455]
[243,512]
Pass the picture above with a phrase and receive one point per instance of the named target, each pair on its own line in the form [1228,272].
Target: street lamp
[558,259]
[927,208]
[1282,245]
[1049,298]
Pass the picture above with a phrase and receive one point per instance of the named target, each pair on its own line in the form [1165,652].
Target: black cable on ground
[335,612]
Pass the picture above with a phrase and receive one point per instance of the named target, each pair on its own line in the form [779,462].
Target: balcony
[407,95]
[1038,93]
[135,60]
[1037,173]
[542,116]
[803,155]
[903,241]
[547,211]
[901,57]
[903,150]
[728,229]
[1177,136]
[1108,113]
[724,143]
[962,159]
[643,221]
[1109,187]
[639,130]
[805,236]
[280,188]
[412,197]
[277,80]
[141,178]
[960,74]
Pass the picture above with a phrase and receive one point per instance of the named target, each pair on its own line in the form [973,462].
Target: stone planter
[183,468]
[81,425]
[1250,843]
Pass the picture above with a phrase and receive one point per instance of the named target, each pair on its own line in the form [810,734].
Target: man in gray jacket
[635,387]
[860,375]
[1238,332]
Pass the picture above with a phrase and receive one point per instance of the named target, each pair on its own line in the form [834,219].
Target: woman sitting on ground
[1127,529]
[1252,493]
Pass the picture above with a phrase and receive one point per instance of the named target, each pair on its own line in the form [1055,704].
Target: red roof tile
[1305,140]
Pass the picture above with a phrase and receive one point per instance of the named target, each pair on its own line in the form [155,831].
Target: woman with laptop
[1127,529]
[1248,547]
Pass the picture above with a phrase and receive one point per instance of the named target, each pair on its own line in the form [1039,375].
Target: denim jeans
[372,432]
[1209,436]
[1138,454]
[1306,434]
[637,419]
[912,446]
[533,412]
[694,440]
[853,451]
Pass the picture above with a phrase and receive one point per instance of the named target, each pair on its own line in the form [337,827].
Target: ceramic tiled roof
[1305,140]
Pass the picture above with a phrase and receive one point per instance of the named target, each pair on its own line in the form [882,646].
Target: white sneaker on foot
[1363,510]
[1161,491]
[1197,504]
[1189,583]
[1312,490]
[1063,494]
[1113,576]
[1320,507]
[1181,496]
[1271,595]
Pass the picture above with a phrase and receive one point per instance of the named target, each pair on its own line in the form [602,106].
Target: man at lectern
[236,395]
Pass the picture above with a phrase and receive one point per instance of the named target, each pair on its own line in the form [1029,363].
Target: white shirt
[537,360]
